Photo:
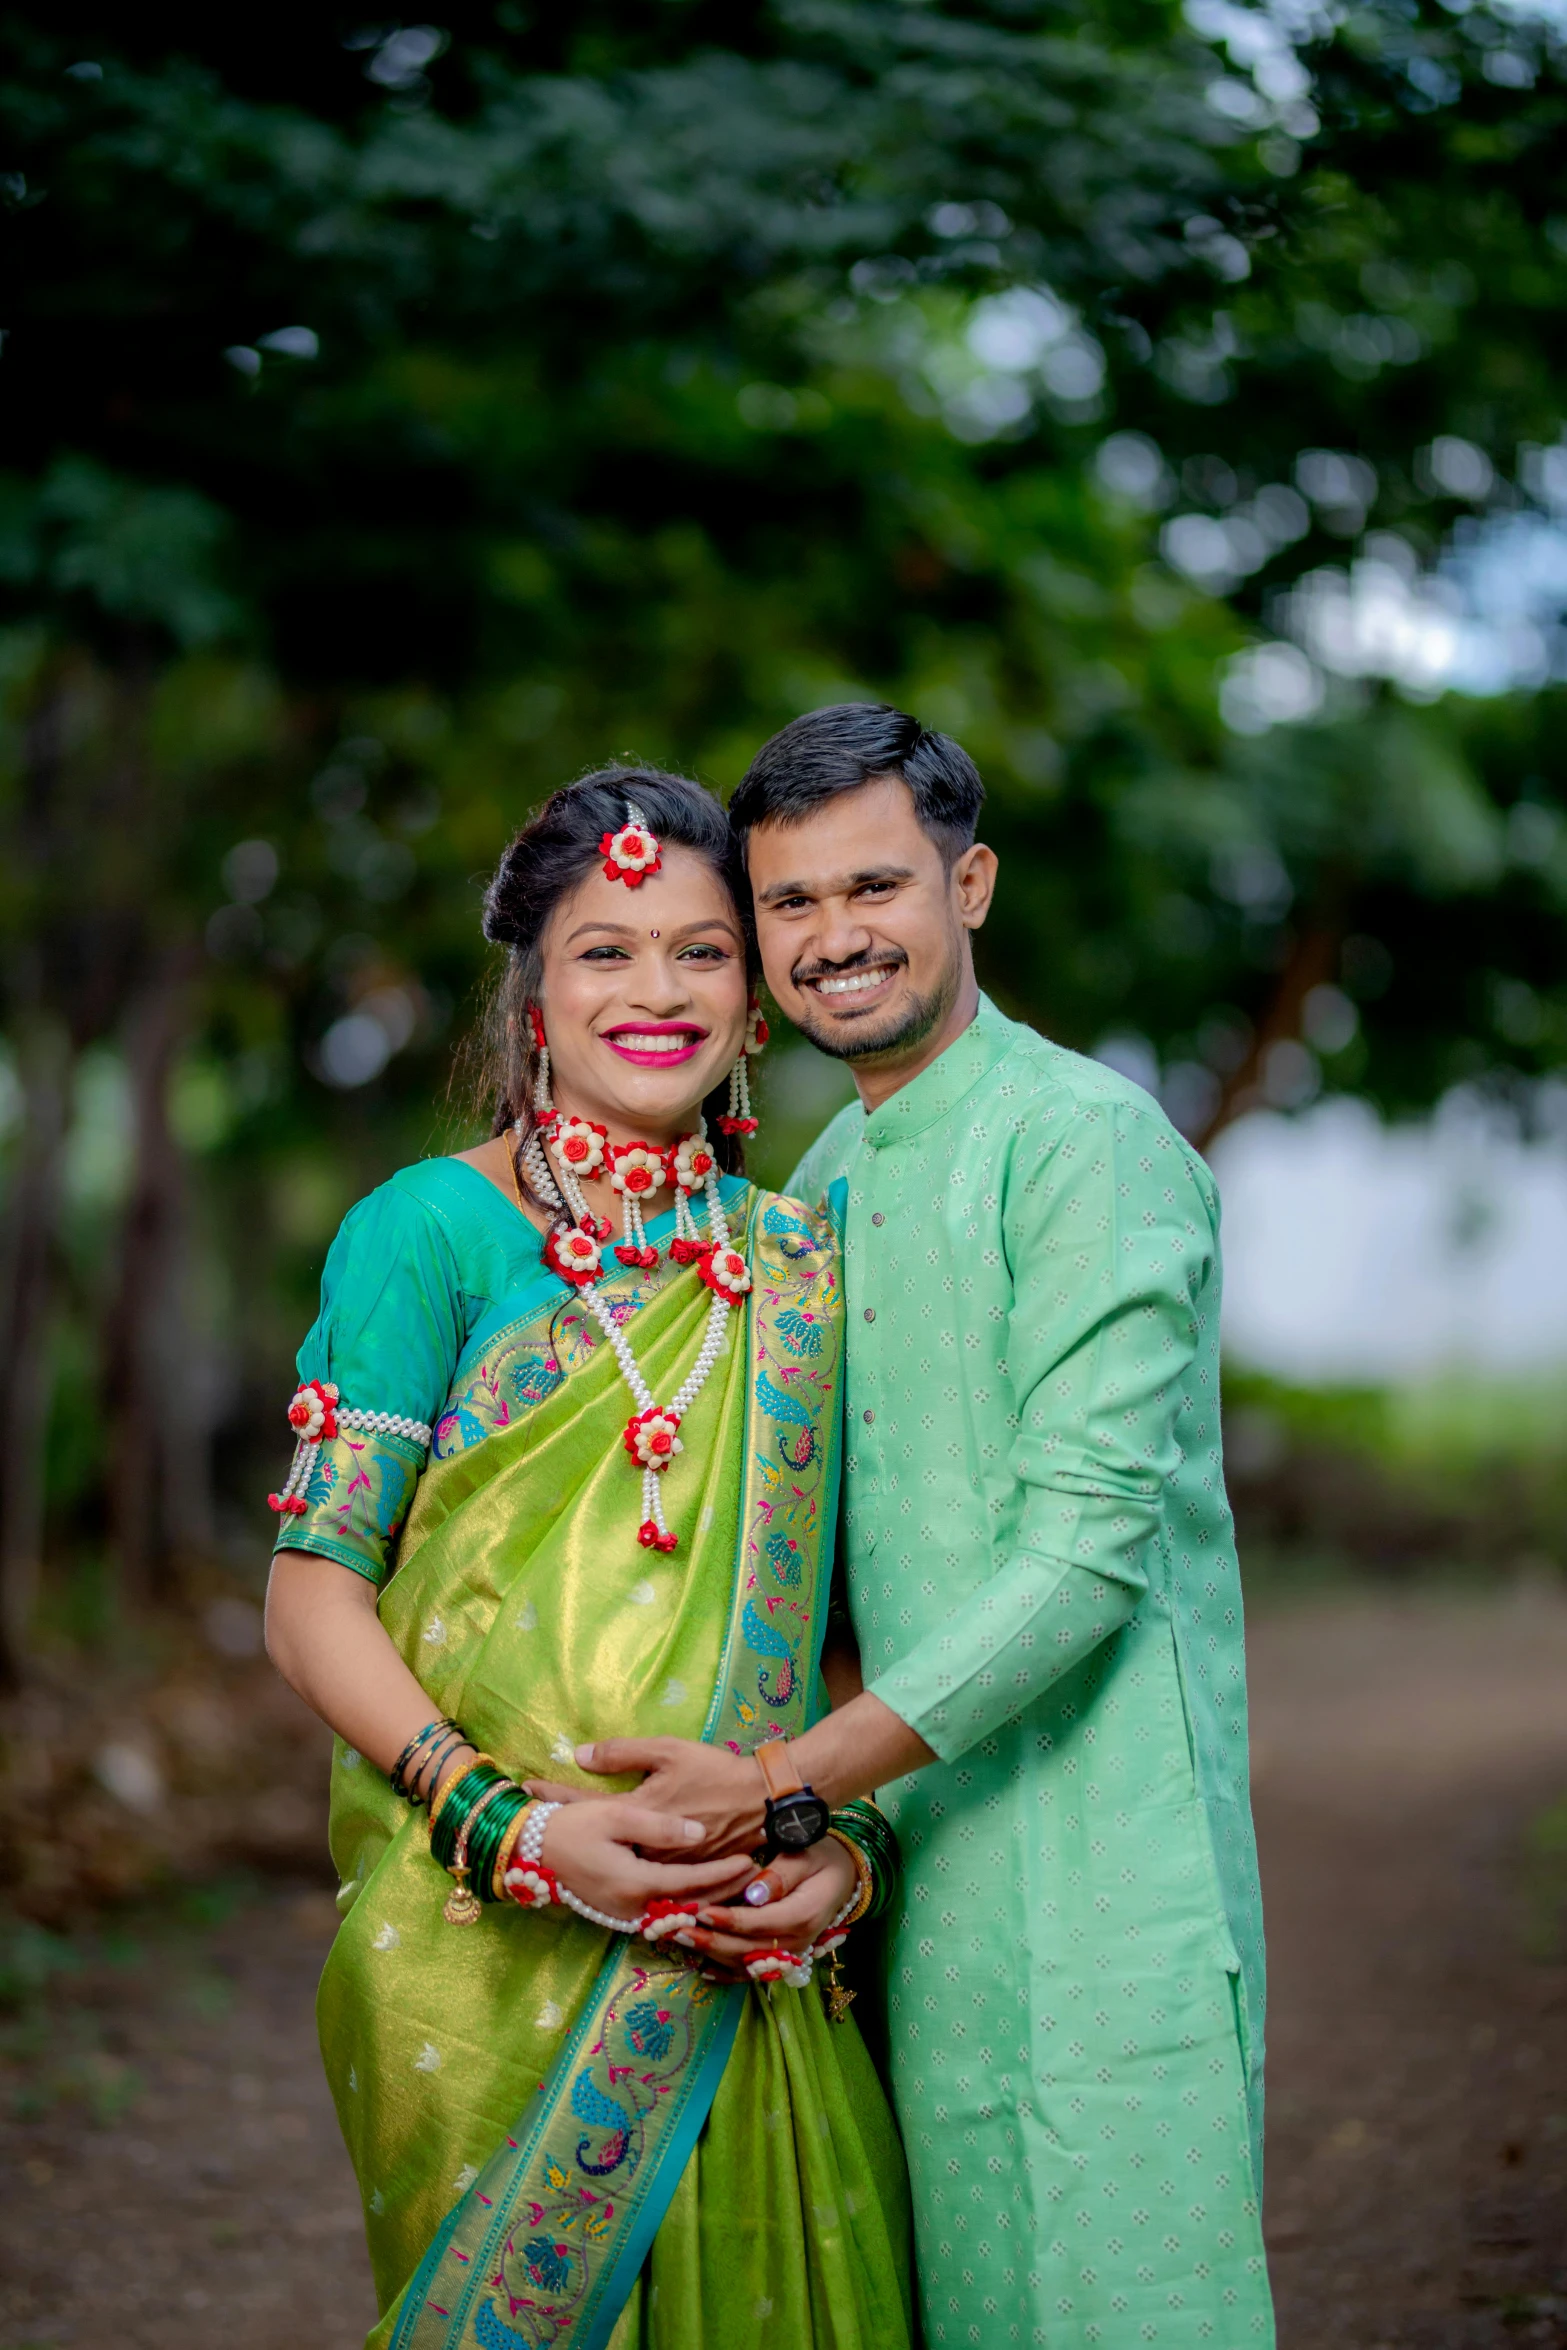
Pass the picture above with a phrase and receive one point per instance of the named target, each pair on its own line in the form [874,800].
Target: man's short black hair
[853,743]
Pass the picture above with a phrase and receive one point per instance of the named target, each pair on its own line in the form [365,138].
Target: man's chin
[873,1036]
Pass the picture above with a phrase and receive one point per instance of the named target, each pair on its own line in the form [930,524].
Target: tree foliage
[400,417]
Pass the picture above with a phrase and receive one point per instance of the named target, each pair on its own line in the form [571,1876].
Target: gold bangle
[503,1859]
[863,1871]
[450,1781]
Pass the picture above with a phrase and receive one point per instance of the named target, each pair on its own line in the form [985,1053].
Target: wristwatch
[796,1814]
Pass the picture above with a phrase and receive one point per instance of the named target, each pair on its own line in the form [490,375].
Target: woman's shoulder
[426,1204]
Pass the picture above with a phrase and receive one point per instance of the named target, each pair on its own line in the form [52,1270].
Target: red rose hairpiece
[632,853]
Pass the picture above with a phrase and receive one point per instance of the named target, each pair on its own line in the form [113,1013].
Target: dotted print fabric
[1041,1572]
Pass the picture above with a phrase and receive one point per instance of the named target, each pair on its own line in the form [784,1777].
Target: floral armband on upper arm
[351,1480]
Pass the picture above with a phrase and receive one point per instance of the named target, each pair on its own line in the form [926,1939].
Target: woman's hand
[807,1890]
[591,1846]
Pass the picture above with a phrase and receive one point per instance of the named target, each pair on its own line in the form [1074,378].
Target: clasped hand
[701,1799]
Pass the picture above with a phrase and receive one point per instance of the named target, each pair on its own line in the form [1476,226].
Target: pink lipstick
[643,1044]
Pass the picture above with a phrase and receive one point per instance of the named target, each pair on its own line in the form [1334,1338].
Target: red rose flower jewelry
[316,1414]
[692,1164]
[575,1255]
[563,1153]
[637,1171]
[630,854]
[737,1119]
[574,1251]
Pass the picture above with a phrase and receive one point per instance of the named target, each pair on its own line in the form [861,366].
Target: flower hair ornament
[632,853]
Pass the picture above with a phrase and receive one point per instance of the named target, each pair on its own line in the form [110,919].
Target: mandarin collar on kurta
[936,1091]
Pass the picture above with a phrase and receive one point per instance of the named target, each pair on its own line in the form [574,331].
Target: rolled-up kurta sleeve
[1110,1239]
[388,1337]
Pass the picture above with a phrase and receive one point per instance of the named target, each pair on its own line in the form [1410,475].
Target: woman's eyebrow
[627,930]
[615,929]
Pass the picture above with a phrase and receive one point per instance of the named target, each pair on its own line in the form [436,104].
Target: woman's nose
[660,986]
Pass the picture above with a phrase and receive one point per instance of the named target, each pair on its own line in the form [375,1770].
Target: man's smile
[852,989]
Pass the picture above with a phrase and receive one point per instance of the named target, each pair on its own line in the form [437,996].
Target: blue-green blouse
[434,1309]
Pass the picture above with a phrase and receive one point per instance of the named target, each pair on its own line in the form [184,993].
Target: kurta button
[870,1313]
[878,1217]
[870,1416]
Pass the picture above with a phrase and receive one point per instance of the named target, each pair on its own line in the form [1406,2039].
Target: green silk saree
[565,2136]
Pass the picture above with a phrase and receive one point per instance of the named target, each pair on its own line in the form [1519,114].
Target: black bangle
[411,1754]
[434,1763]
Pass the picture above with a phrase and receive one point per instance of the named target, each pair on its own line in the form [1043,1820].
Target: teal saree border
[534,2223]
[677,2153]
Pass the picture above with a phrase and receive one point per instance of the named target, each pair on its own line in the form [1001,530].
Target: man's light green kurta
[1042,1576]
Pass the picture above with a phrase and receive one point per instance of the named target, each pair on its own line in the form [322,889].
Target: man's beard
[902,1029]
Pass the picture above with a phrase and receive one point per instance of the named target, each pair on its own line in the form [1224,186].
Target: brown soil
[1417,2119]
[174,2177]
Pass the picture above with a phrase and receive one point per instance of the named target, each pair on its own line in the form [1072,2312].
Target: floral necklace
[581,1151]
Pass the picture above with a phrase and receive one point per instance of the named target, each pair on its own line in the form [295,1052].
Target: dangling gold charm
[463,1906]
[840,1998]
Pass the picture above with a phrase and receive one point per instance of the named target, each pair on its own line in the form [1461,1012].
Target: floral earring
[738,1118]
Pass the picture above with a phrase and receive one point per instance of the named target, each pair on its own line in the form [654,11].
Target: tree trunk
[157,1486]
[1313,959]
[27,1291]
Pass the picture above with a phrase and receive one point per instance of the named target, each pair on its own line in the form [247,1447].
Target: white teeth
[652,1044]
[852,983]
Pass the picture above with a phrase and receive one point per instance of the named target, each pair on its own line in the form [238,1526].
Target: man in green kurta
[1042,1579]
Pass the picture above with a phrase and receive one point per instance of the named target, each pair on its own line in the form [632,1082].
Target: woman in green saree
[566,2133]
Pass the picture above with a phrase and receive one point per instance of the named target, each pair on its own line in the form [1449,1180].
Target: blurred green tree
[401,416]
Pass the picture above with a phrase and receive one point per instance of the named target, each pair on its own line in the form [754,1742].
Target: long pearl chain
[685,1395]
[652,1438]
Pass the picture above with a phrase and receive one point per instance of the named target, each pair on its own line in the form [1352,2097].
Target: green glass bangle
[459,1805]
[458,1808]
[488,1835]
[485,1834]
[871,1832]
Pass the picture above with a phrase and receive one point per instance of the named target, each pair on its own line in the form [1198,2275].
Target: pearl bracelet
[529,1856]
[599,1917]
[530,1845]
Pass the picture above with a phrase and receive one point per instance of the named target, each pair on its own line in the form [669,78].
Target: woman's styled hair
[557,848]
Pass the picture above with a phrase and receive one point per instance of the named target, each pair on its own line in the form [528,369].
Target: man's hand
[707,1783]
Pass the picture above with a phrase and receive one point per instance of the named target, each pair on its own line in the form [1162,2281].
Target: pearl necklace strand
[653,1443]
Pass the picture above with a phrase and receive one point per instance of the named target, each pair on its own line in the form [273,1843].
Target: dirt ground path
[174,2179]
[1417,2121]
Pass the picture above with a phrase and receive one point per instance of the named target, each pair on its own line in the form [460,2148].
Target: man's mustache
[884,958]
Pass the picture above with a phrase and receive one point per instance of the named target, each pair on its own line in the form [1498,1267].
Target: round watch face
[795,1821]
